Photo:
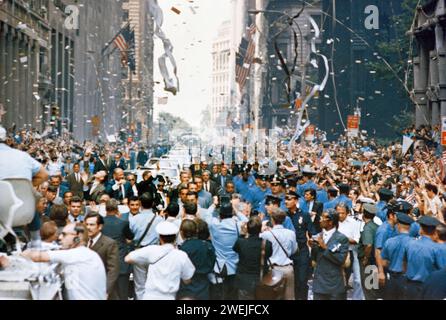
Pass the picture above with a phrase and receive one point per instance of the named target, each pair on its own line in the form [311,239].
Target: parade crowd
[344,219]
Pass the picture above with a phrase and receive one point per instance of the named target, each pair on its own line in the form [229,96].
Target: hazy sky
[191,35]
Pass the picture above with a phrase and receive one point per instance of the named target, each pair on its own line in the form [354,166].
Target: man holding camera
[84,272]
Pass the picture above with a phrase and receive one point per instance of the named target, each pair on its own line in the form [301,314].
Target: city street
[222,150]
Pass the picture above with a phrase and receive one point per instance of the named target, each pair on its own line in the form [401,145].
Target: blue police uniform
[321,196]
[382,210]
[423,258]
[415,230]
[300,190]
[257,196]
[384,232]
[393,251]
[282,206]
[243,187]
[341,198]
[301,259]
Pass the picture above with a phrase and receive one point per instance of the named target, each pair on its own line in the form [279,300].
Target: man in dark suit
[119,231]
[118,188]
[96,187]
[329,252]
[119,162]
[209,185]
[142,157]
[106,248]
[101,164]
[146,185]
[224,177]
[75,182]
[314,208]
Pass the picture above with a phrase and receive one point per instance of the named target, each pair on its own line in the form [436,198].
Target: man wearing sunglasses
[83,270]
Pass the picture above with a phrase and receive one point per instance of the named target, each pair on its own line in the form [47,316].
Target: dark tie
[90,243]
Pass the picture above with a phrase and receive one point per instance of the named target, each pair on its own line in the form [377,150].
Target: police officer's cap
[292,194]
[428,221]
[308,172]
[404,206]
[385,194]
[370,208]
[272,199]
[167,228]
[276,180]
[404,218]
[292,182]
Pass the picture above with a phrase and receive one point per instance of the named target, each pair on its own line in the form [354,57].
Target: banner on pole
[443,131]
[352,126]
[309,133]
[407,142]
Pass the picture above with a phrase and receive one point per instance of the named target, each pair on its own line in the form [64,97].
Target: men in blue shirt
[204,197]
[422,257]
[276,191]
[385,195]
[224,233]
[14,165]
[385,231]
[301,259]
[243,184]
[308,182]
[344,190]
[332,194]
[259,191]
[138,225]
[272,203]
[392,258]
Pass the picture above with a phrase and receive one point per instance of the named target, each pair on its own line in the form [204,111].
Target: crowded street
[120,184]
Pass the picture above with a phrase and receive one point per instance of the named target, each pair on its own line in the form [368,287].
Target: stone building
[430,64]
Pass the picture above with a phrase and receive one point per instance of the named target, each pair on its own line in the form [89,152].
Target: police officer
[308,183]
[272,203]
[385,195]
[385,231]
[422,257]
[259,191]
[276,185]
[301,259]
[366,251]
[392,255]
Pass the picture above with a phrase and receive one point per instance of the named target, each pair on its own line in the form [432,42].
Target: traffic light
[54,113]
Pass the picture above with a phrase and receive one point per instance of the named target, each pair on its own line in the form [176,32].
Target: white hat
[2,134]
[166,228]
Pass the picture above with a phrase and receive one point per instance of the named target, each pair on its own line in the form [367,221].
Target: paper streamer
[319,87]
[171,82]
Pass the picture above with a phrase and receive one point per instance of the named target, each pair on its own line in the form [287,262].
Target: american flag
[125,42]
[245,57]
[411,198]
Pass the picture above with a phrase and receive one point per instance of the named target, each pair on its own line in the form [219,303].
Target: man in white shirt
[167,266]
[351,228]
[433,201]
[83,270]
[138,225]
[284,245]
[75,210]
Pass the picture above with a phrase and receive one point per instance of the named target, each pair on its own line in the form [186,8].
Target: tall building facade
[222,58]
[138,87]
[275,110]
[98,91]
[352,34]
[430,63]
[36,71]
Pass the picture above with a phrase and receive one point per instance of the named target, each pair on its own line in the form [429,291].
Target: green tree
[396,47]
[171,122]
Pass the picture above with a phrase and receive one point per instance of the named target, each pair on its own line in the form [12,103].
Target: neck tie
[90,243]
[77,177]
